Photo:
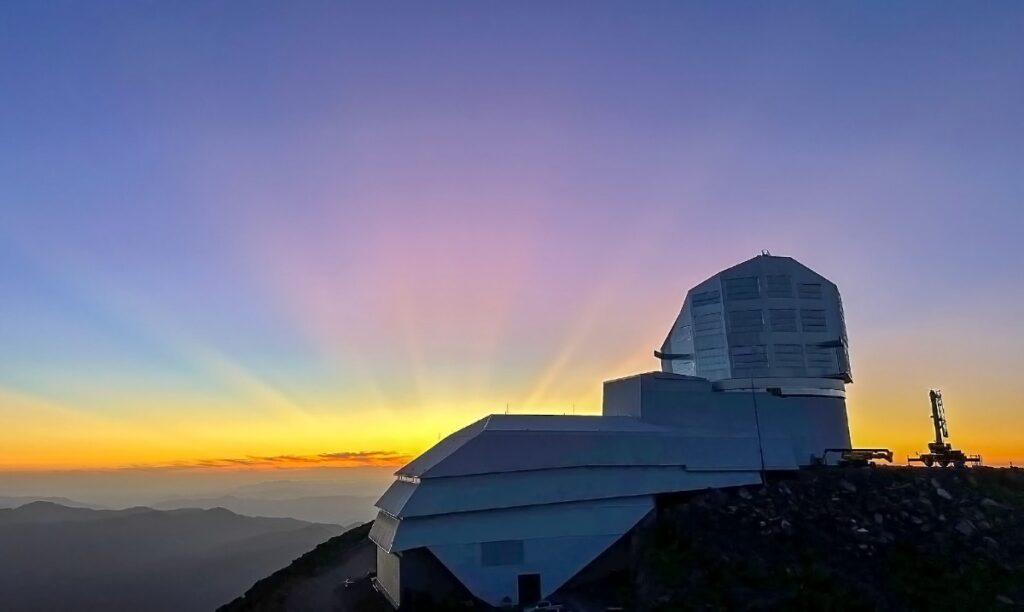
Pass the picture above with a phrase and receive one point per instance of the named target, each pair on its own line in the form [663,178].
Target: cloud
[373,458]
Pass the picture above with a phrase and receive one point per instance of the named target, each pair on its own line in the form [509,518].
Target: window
[809,291]
[743,288]
[746,321]
[710,360]
[778,286]
[504,552]
[821,358]
[709,323]
[782,320]
[705,298]
[789,356]
[813,320]
[707,331]
[748,357]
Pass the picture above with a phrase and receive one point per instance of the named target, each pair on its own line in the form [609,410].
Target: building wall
[570,518]
[466,495]
[554,541]
[809,423]
[555,559]
[389,575]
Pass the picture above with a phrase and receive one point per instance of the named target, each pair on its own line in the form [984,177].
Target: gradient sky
[328,233]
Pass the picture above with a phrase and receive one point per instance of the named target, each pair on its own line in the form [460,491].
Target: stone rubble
[890,538]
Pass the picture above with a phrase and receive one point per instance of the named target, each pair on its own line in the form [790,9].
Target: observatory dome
[767,322]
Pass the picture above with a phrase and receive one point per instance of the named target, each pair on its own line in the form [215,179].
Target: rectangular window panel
[705,298]
[707,341]
[710,323]
[713,357]
[778,286]
[505,552]
[782,320]
[813,320]
[749,357]
[745,321]
[743,288]
[789,356]
[711,361]
[809,291]
[822,359]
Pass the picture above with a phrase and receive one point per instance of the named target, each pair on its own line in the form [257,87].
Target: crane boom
[938,416]
[941,452]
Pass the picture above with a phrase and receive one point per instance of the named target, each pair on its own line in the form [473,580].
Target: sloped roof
[443,496]
[522,460]
[502,443]
[756,262]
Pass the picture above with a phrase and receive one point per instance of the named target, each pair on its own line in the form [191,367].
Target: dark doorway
[529,589]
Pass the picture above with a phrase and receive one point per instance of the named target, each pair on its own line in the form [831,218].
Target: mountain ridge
[140,558]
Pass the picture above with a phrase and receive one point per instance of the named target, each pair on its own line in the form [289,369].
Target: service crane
[941,452]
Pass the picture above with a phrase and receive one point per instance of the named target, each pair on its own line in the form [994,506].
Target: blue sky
[279,220]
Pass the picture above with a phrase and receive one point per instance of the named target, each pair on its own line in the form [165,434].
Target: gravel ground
[881,538]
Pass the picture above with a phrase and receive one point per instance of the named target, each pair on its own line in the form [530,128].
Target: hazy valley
[57,557]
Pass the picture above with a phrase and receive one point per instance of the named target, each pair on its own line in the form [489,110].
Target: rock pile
[841,538]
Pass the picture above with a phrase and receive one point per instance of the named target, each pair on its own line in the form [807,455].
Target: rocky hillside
[316,580]
[887,538]
[841,539]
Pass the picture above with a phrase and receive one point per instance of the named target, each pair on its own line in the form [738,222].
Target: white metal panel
[567,423]
[389,575]
[512,489]
[396,496]
[622,441]
[383,531]
[555,559]
[438,452]
[507,451]
[582,518]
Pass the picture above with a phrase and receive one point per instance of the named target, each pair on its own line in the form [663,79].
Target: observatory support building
[513,506]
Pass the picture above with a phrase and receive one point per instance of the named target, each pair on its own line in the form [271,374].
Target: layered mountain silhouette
[56,557]
[338,509]
[8,501]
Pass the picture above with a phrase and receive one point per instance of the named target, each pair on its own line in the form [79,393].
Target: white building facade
[513,506]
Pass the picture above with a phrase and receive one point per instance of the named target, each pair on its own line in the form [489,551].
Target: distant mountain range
[57,557]
[337,509]
[7,501]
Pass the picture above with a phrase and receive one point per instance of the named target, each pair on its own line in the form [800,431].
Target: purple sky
[232,228]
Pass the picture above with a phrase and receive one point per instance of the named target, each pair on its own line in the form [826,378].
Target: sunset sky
[243,235]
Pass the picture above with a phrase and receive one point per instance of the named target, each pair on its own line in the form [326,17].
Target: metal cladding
[766,318]
[513,506]
[555,490]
